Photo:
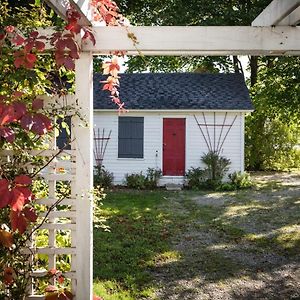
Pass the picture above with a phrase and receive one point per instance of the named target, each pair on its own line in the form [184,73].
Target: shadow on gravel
[246,248]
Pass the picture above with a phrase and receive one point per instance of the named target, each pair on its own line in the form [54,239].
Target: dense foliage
[273,130]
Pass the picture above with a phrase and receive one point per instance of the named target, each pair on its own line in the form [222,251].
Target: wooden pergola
[273,32]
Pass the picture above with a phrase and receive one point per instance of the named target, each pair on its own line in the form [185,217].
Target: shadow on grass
[237,250]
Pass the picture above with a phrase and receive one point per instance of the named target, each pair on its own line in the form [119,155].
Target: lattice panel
[60,220]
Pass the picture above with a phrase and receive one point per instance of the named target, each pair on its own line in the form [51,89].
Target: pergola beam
[82,6]
[275,12]
[292,19]
[198,40]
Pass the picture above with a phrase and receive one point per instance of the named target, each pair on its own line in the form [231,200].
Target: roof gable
[168,91]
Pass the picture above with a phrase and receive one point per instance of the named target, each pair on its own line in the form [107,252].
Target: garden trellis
[274,32]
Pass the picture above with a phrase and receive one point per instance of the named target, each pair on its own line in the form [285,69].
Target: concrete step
[174,187]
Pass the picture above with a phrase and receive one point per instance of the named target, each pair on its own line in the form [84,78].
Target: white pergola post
[84,176]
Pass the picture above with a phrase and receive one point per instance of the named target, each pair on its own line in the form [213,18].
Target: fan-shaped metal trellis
[213,145]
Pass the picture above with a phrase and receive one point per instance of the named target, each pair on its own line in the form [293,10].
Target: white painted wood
[61,6]
[42,273]
[50,201]
[60,214]
[199,40]
[82,136]
[153,129]
[292,19]
[275,12]
[45,153]
[60,226]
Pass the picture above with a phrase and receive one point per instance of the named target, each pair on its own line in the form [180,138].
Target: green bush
[196,178]
[140,181]
[210,177]
[103,178]
[135,181]
[240,180]
[152,177]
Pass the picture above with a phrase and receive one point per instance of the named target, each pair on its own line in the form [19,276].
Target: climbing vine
[29,70]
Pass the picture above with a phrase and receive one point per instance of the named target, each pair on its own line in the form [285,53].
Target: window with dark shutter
[131,137]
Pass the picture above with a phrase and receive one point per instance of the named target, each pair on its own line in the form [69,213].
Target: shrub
[196,178]
[135,181]
[210,177]
[102,177]
[152,177]
[217,166]
[240,180]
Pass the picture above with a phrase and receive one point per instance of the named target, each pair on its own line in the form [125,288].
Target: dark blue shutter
[63,140]
[131,137]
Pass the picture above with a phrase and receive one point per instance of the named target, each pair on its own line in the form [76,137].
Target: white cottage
[173,120]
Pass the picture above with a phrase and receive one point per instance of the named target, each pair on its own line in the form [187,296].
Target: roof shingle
[177,91]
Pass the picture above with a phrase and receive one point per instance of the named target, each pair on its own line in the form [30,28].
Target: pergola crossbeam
[292,19]
[82,6]
[198,40]
[275,12]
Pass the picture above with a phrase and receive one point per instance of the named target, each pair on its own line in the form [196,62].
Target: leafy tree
[191,13]
[273,130]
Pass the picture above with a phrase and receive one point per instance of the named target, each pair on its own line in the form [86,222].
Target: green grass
[140,229]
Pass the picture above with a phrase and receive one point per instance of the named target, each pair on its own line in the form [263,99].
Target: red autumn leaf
[61,279]
[73,26]
[17,199]
[18,62]
[69,63]
[52,271]
[17,94]
[18,40]
[27,122]
[9,29]
[30,214]
[2,36]
[51,296]
[37,104]
[51,289]
[27,193]
[23,180]
[66,295]
[18,221]
[5,195]
[8,276]
[19,110]
[59,57]
[30,60]
[6,238]
[40,46]
[41,124]
[7,114]
[89,35]
[34,34]
[95,297]
[8,134]
[29,45]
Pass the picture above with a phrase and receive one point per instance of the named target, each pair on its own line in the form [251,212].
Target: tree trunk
[253,69]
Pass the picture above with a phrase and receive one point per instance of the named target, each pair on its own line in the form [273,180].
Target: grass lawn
[200,245]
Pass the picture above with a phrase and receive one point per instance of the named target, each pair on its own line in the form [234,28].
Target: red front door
[174,147]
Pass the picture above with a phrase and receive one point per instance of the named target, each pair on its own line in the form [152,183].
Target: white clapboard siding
[233,147]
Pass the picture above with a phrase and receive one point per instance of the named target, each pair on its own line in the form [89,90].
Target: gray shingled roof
[177,91]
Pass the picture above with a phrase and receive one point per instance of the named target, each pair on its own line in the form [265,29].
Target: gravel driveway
[237,245]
